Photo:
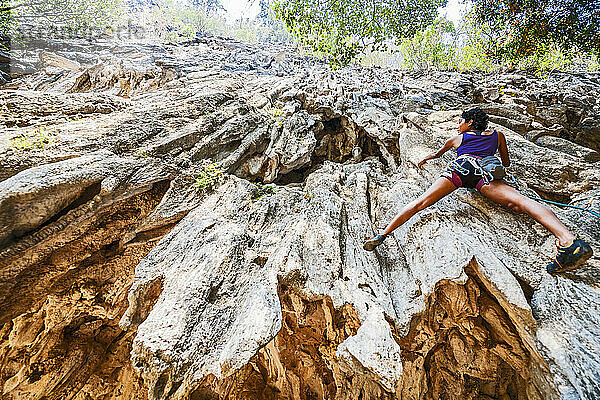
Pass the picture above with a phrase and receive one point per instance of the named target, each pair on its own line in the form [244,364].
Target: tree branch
[10,8]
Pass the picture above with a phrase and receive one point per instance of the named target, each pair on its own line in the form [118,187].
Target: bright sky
[453,10]
[240,9]
[244,9]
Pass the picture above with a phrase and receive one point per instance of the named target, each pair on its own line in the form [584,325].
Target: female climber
[473,144]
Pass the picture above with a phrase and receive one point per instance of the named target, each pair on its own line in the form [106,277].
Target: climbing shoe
[570,257]
[374,242]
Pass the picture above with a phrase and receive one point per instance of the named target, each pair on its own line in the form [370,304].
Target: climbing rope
[511,180]
[586,208]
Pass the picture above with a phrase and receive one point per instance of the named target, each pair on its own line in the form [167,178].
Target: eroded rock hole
[300,361]
[159,388]
[526,288]
[564,134]
[152,234]
[73,329]
[104,253]
[204,393]
[260,260]
[574,116]
[464,346]
[174,387]
[214,290]
[161,187]
[296,176]
[340,138]
[88,194]
[553,196]
[339,141]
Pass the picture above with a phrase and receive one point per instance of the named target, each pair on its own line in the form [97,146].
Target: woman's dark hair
[479,118]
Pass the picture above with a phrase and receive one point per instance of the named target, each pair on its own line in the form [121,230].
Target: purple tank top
[478,144]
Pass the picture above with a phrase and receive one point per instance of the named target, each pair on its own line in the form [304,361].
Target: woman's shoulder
[456,140]
[479,133]
[488,132]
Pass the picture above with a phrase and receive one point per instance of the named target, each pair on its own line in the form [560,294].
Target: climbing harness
[465,172]
[456,165]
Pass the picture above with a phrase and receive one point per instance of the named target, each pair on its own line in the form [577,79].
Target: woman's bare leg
[506,195]
[440,188]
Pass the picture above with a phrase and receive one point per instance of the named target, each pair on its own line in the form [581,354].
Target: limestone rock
[562,145]
[55,60]
[143,254]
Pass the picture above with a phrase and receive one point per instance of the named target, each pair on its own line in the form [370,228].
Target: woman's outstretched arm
[453,142]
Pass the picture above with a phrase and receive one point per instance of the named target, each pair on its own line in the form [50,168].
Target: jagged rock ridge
[244,293]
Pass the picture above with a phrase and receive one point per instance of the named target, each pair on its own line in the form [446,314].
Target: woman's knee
[522,204]
[515,206]
[534,208]
[421,204]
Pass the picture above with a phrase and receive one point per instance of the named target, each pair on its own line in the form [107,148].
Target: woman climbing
[473,144]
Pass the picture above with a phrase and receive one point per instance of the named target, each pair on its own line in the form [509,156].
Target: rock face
[143,255]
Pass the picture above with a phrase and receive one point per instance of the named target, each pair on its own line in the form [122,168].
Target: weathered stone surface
[166,282]
[4,57]
[54,60]
[466,346]
[564,146]
[36,195]
[64,285]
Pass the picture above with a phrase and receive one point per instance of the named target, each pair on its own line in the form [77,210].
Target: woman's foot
[374,242]
[570,257]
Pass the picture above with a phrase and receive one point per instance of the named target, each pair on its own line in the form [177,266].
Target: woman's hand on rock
[427,157]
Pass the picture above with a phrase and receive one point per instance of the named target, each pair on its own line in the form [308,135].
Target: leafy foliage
[209,177]
[68,18]
[176,21]
[208,6]
[532,26]
[262,30]
[263,190]
[480,47]
[264,9]
[37,139]
[472,46]
[5,24]
[342,29]
[536,34]
[142,154]
[433,47]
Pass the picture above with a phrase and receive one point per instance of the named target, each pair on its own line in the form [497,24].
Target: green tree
[5,23]
[264,9]
[175,21]
[478,48]
[343,29]
[70,18]
[531,26]
[433,47]
[208,6]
